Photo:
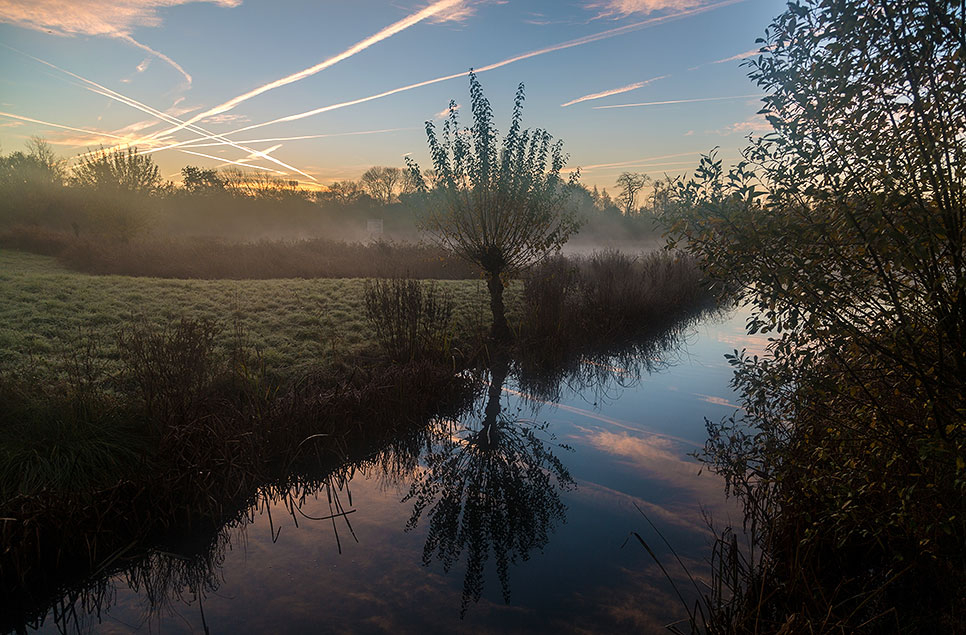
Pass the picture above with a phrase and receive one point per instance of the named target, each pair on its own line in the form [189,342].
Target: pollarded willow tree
[503,207]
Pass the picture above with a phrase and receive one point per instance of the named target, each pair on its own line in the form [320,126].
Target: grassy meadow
[293,324]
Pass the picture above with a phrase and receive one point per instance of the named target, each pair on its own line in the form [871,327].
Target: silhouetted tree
[37,167]
[382,183]
[118,171]
[630,183]
[200,181]
[844,233]
[342,193]
[503,209]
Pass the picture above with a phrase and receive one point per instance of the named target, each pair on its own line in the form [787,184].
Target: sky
[319,91]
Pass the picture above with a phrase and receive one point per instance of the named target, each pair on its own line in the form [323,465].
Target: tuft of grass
[412,320]
[608,296]
[70,434]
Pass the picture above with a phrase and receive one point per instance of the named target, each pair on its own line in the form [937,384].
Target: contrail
[267,150]
[107,92]
[111,94]
[192,143]
[158,54]
[634,161]
[57,125]
[241,163]
[587,39]
[640,165]
[385,33]
[676,101]
[613,91]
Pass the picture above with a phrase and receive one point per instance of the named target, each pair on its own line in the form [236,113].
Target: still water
[513,518]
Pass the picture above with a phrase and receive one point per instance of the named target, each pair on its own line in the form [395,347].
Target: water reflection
[486,489]
[490,484]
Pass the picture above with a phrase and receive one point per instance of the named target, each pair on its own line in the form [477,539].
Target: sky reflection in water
[512,519]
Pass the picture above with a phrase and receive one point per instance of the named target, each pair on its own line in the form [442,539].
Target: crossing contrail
[587,39]
[99,89]
[389,31]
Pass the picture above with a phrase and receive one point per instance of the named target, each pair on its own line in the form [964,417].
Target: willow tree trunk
[489,436]
[500,330]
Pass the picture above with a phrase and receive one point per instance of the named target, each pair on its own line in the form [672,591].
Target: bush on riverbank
[843,231]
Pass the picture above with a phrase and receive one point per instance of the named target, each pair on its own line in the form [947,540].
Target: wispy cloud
[227,118]
[757,124]
[733,58]
[102,18]
[739,56]
[441,7]
[676,101]
[541,19]
[613,91]
[459,12]
[638,161]
[94,87]
[587,39]
[718,401]
[624,8]
[444,113]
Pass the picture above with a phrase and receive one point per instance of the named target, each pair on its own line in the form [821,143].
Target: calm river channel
[514,518]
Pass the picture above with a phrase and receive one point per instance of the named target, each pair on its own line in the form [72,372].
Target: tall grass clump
[173,368]
[65,430]
[609,295]
[412,320]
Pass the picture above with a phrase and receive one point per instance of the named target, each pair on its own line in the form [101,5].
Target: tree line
[120,193]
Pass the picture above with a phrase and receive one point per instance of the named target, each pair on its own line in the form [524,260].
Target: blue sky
[109,71]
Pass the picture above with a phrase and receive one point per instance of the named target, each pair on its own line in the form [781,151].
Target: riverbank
[135,406]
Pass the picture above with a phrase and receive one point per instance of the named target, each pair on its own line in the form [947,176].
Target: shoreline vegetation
[134,405]
[138,428]
[843,232]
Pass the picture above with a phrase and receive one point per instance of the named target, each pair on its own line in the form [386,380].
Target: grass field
[46,310]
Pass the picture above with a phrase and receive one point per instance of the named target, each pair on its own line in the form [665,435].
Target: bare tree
[503,209]
[38,167]
[382,183]
[630,184]
[258,184]
[342,193]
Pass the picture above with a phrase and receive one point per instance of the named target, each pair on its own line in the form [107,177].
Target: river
[515,517]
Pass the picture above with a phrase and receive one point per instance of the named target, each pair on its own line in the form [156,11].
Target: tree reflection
[487,486]
[490,484]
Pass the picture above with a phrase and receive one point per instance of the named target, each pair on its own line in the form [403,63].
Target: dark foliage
[412,320]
